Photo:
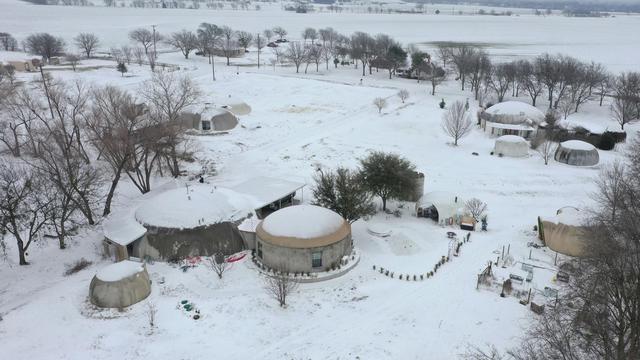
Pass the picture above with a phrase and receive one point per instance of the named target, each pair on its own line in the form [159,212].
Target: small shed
[120,285]
[121,232]
[511,145]
[443,207]
[577,153]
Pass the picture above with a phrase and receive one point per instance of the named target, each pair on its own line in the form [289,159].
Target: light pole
[155,54]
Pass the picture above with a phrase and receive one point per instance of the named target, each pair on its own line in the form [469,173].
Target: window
[316,259]
[206,125]
[260,250]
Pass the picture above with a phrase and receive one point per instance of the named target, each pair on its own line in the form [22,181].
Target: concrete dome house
[511,118]
[511,145]
[199,220]
[120,285]
[303,238]
[577,153]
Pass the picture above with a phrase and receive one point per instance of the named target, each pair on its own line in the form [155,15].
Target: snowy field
[300,123]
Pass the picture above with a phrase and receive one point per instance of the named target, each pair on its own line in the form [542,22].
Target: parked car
[199,53]
[282,40]
[272,44]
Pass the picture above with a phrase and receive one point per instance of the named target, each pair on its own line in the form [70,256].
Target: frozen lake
[611,41]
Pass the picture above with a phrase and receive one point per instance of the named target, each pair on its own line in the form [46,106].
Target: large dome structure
[577,153]
[303,238]
[195,220]
[511,145]
[511,118]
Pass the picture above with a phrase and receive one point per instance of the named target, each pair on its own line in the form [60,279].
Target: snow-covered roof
[569,215]
[194,206]
[577,145]
[517,108]
[448,204]
[511,139]
[303,222]
[266,190]
[249,224]
[120,270]
[123,229]
[235,105]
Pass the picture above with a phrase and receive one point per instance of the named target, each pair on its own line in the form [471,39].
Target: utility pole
[155,53]
[213,66]
[258,43]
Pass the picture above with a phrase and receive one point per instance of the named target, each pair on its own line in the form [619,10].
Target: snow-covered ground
[301,122]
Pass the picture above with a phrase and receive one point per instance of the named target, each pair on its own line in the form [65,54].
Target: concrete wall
[168,244]
[299,259]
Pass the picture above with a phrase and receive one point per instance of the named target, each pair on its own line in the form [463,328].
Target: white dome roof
[199,206]
[577,145]
[303,222]
[517,108]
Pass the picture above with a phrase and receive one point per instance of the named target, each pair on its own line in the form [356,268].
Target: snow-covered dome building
[511,145]
[564,232]
[511,118]
[441,206]
[196,220]
[120,285]
[577,153]
[209,119]
[303,238]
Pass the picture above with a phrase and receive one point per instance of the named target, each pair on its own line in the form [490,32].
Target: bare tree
[280,31]
[73,60]
[87,42]
[151,59]
[297,54]
[244,39]
[499,80]
[310,34]
[145,37]
[280,285]
[23,209]
[475,207]
[184,40]
[228,43]
[314,55]
[268,34]
[127,53]
[403,95]
[218,264]
[457,122]
[114,124]
[436,77]
[152,311]
[8,42]
[546,149]
[138,55]
[168,96]
[529,79]
[45,45]
[380,103]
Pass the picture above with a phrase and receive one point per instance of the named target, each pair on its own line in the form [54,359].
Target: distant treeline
[571,5]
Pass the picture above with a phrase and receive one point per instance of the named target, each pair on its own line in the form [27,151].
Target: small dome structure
[577,153]
[441,206]
[511,145]
[209,119]
[303,238]
[564,233]
[120,285]
[197,220]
